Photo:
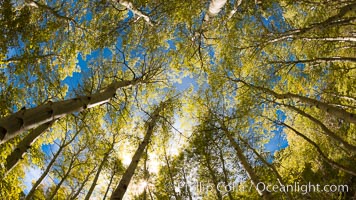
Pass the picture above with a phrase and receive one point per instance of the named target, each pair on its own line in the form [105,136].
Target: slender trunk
[71,166]
[32,57]
[297,33]
[170,175]
[337,112]
[129,6]
[82,184]
[271,166]
[215,7]
[327,131]
[150,193]
[13,159]
[110,182]
[332,39]
[146,176]
[186,186]
[212,175]
[226,179]
[51,10]
[58,186]
[236,6]
[317,60]
[92,187]
[246,165]
[51,163]
[331,21]
[24,120]
[324,157]
[120,190]
[44,174]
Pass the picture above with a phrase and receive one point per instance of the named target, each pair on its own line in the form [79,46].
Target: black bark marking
[20,120]
[124,186]
[50,112]
[2,133]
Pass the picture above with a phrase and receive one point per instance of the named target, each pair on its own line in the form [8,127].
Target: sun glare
[126,159]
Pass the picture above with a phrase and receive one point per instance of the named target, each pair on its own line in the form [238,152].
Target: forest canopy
[169,99]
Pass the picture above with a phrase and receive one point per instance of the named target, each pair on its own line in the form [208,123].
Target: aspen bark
[129,6]
[170,175]
[337,112]
[13,159]
[212,175]
[331,39]
[327,131]
[58,186]
[215,7]
[226,179]
[187,187]
[335,20]
[288,195]
[246,165]
[82,184]
[120,190]
[24,120]
[44,174]
[92,187]
[50,164]
[232,12]
[324,157]
[109,185]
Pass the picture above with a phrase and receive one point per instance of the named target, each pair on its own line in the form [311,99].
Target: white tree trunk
[246,165]
[24,120]
[120,190]
[337,112]
[13,159]
[129,6]
[215,7]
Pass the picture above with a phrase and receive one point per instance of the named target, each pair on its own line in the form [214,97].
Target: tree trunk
[325,158]
[226,177]
[271,166]
[212,175]
[58,186]
[120,190]
[186,186]
[92,187]
[44,174]
[331,39]
[317,60]
[110,182]
[331,21]
[129,6]
[215,7]
[246,165]
[82,184]
[51,163]
[24,120]
[325,129]
[337,112]
[71,166]
[170,175]
[13,159]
